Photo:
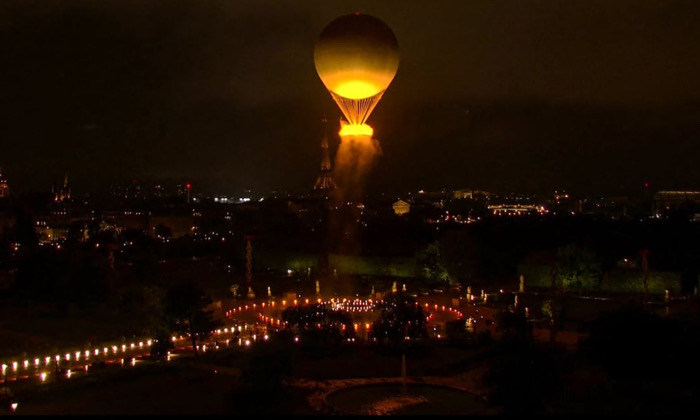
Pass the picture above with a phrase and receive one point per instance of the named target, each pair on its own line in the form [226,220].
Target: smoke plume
[356,155]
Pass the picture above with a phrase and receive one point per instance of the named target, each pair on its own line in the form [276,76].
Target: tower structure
[62,193]
[325,181]
[4,189]
[249,266]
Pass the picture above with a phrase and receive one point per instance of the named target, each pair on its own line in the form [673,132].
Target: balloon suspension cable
[357,110]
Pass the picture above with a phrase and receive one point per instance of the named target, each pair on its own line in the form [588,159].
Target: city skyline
[496,95]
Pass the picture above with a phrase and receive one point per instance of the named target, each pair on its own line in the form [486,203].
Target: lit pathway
[251,320]
[77,363]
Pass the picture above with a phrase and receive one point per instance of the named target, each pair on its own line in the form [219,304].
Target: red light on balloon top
[188,186]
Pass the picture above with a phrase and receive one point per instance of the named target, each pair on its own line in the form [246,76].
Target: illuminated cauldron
[356,57]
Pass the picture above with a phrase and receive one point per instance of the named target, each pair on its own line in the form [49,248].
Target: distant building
[61,193]
[667,200]
[401,207]
[51,230]
[4,189]
[471,194]
[516,209]
[461,194]
[176,225]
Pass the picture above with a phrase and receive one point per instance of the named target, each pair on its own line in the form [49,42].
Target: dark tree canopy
[400,317]
[187,307]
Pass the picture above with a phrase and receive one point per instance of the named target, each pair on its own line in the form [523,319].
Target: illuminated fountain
[362,316]
[399,395]
[413,399]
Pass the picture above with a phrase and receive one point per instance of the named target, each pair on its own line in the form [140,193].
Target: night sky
[586,95]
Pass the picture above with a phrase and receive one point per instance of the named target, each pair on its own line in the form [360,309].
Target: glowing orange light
[356,57]
[355,130]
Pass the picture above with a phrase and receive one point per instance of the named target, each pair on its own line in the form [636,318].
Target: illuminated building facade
[666,200]
[516,209]
[471,194]
[401,207]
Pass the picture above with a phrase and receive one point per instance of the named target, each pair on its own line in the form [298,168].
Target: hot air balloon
[356,57]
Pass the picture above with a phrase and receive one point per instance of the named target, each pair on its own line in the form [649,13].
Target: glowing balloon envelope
[356,57]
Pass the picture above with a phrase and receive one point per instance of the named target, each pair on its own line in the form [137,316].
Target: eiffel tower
[325,181]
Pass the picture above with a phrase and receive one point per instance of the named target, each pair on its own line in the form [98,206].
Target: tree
[689,280]
[400,317]
[649,363]
[262,371]
[23,231]
[514,326]
[41,276]
[322,329]
[310,317]
[457,333]
[635,343]
[187,310]
[156,324]
[162,231]
[459,254]
[578,268]
[431,269]
[554,310]
[525,378]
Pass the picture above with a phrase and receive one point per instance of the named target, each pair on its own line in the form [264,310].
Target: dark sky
[588,95]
